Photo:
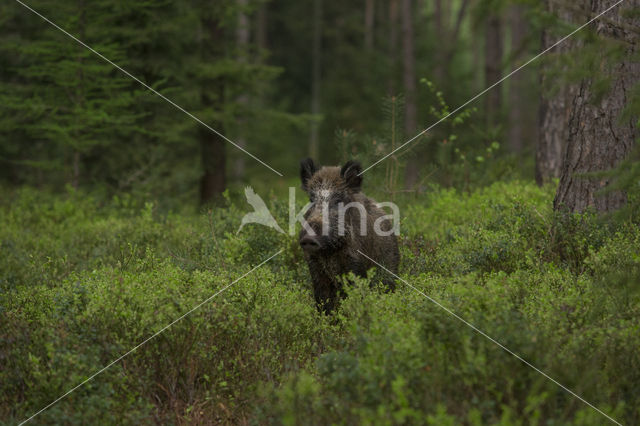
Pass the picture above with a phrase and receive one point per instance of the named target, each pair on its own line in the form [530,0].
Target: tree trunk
[79,98]
[316,75]
[75,177]
[437,17]
[409,81]
[393,45]
[440,28]
[242,44]
[519,110]
[369,20]
[261,26]
[493,67]
[476,60]
[212,146]
[553,114]
[213,151]
[599,138]
[448,36]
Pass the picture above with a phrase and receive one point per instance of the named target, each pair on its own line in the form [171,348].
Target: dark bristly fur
[334,255]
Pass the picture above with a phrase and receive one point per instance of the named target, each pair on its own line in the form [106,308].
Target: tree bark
[554,109]
[316,76]
[598,136]
[493,67]
[409,81]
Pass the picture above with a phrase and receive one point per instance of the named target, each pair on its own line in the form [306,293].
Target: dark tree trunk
[448,38]
[476,60]
[493,66]
[437,17]
[440,32]
[212,146]
[554,109]
[213,151]
[316,78]
[261,26]
[369,20]
[75,177]
[79,98]
[409,81]
[393,46]
[242,44]
[598,136]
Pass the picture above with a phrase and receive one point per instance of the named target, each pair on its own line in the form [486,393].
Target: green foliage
[82,282]
[105,278]
[72,118]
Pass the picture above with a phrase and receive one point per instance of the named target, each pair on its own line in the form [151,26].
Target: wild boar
[340,222]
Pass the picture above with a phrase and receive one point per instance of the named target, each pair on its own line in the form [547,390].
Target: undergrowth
[82,282]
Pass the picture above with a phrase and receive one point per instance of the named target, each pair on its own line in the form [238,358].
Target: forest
[136,138]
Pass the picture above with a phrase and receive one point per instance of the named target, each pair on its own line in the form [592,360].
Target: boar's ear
[350,172]
[307,169]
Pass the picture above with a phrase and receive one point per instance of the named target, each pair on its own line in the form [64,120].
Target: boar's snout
[309,243]
[311,240]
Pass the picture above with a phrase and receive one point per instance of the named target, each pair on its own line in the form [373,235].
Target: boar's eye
[337,200]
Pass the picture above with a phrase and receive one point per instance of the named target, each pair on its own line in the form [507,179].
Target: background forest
[291,79]
[120,204]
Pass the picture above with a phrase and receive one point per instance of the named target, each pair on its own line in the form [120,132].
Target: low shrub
[83,282]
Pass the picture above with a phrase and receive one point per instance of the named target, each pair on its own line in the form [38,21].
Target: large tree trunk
[554,108]
[493,67]
[409,81]
[598,136]
[316,68]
